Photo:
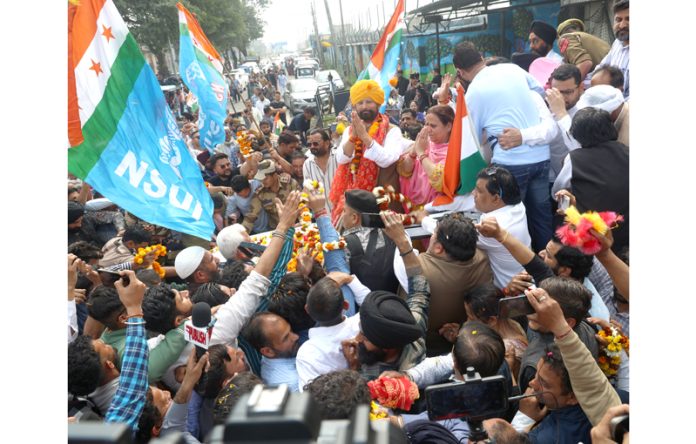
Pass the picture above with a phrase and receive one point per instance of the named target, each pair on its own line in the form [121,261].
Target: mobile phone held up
[514,306]
[112,276]
[479,399]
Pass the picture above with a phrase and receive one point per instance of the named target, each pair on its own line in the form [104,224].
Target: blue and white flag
[200,67]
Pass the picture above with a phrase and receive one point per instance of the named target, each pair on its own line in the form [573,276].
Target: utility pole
[331,32]
[343,37]
[316,34]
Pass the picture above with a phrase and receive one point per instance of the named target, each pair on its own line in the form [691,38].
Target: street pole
[343,36]
[437,41]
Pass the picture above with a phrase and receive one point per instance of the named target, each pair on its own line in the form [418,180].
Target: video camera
[274,415]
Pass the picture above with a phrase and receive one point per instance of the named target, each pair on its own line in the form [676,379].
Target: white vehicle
[253,66]
[300,94]
[240,75]
[323,78]
[305,72]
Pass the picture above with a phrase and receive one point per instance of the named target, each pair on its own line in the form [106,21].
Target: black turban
[427,432]
[75,211]
[362,201]
[524,59]
[386,320]
[544,31]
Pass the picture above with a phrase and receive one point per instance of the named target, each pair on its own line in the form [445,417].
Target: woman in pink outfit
[421,166]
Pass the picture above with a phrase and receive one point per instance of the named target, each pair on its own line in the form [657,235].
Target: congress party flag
[385,57]
[464,159]
[200,67]
[124,140]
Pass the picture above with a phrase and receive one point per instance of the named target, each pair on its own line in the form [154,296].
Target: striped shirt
[312,171]
[618,57]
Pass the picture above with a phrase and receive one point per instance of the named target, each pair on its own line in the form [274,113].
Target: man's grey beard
[622,35]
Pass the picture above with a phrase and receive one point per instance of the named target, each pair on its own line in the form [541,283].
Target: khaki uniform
[264,200]
[578,47]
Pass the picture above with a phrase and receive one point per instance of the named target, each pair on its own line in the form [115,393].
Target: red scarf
[365,179]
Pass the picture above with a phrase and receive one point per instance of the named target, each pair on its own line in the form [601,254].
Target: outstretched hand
[288,212]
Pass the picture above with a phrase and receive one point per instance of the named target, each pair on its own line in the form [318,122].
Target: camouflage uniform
[264,199]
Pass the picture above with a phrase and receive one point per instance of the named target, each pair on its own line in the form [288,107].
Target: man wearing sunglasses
[321,166]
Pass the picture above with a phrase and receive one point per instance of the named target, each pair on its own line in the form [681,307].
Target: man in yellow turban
[369,147]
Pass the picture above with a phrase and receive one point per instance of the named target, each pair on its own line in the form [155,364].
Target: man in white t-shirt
[497,194]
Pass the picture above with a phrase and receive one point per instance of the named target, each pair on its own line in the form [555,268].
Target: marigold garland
[244,143]
[307,236]
[359,147]
[387,195]
[377,411]
[159,249]
[610,356]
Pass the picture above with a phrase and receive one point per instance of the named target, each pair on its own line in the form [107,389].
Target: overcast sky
[291,20]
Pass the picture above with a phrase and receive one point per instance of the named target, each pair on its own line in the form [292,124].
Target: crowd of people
[379,306]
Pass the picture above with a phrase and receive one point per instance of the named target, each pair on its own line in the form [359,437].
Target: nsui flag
[385,57]
[200,67]
[464,159]
[124,140]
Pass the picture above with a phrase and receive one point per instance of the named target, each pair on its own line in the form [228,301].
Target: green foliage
[227,23]
[521,21]
[487,44]
[431,50]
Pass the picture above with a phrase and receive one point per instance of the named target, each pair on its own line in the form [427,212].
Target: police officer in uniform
[274,185]
[580,48]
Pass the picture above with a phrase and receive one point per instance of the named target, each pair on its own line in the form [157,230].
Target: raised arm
[590,386]
[129,400]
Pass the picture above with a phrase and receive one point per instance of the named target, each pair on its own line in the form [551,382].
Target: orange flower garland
[306,236]
[159,250]
[610,356]
[244,143]
[359,147]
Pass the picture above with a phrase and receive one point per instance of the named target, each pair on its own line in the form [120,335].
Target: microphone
[199,329]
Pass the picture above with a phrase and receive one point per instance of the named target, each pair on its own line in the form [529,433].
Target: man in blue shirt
[272,336]
[499,97]
[239,204]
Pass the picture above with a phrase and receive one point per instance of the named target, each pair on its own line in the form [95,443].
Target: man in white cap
[274,185]
[598,173]
[228,240]
[611,100]
[196,266]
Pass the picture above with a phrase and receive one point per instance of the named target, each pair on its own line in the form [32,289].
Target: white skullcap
[188,260]
[229,238]
[604,97]
[98,204]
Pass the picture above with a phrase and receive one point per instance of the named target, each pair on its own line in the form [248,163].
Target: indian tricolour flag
[124,140]
[464,159]
[200,67]
[278,125]
[385,57]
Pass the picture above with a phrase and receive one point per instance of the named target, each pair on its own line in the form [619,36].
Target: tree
[154,23]
[227,23]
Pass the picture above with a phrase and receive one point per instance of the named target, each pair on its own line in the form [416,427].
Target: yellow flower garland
[610,356]
[244,143]
[159,249]
[306,236]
